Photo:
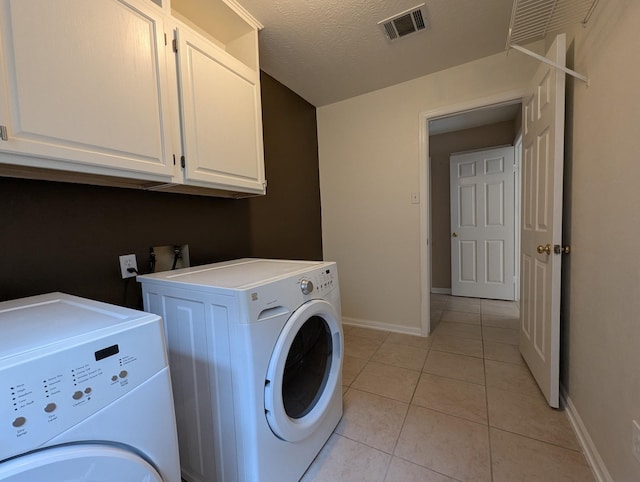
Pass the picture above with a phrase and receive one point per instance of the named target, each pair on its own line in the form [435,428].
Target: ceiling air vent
[404,23]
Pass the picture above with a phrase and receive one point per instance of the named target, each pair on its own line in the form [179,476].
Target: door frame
[508,97]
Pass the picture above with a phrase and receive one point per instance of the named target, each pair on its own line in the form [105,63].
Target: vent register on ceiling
[405,23]
[530,20]
[534,19]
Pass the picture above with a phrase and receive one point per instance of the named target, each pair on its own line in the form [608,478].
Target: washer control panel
[47,394]
[280,297]
[318,282]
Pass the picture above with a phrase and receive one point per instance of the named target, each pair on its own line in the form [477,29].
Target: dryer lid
[84,462]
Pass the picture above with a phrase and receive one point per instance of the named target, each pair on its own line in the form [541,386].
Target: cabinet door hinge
[174,43]
[165,39]
[182,163]
[174,159]
[3,133]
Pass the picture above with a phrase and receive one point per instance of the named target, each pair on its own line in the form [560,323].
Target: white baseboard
[441,291]
[378,325]
[588,447]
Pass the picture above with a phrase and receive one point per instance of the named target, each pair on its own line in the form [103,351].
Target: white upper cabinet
[85,87]
[221,119]
[163,95]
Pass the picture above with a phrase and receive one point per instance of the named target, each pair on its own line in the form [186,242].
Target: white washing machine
[255,349]
[85,393]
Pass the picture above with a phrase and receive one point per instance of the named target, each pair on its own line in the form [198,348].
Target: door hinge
[174,44]
[174,159]
[3,133]
[165,39]
[182,163]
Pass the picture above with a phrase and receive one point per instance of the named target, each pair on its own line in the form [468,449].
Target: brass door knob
[455,235]
[544,249]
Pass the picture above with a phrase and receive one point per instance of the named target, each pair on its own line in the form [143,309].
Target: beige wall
[369,164]
[440,149]
[601,307]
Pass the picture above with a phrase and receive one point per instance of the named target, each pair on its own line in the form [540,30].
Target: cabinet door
[84,87]
[221,117]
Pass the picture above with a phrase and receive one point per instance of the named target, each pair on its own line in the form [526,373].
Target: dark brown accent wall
[286,223]
[440,148]
[67,237]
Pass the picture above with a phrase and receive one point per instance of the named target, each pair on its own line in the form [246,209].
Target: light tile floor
[460,405]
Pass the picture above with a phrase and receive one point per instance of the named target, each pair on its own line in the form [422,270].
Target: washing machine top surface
[40,321]
[238,274]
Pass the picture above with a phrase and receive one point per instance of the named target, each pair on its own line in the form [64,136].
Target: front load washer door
[304,371]
[79,463]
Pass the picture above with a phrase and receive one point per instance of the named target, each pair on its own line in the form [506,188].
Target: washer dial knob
[306,286]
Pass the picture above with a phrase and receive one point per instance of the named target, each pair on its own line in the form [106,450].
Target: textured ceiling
[330,50]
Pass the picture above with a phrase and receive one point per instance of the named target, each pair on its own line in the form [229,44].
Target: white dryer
[255,349]
[85,393]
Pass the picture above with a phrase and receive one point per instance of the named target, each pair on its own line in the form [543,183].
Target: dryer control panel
[45,392]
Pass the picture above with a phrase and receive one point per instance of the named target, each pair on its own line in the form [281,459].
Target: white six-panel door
[483,224]
[542,171]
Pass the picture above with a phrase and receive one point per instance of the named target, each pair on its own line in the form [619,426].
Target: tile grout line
[395,445]
[546,442]
[486,397]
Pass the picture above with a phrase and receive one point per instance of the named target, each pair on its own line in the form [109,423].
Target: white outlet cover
[128,261]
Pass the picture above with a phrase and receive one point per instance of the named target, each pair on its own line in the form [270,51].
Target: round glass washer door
[79,463]
[304,371]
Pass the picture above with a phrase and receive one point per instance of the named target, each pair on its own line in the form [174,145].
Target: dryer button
[123,374]
[77,395]
[50,407]
[19,422]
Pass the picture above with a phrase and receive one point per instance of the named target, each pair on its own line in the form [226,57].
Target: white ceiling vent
[404,23]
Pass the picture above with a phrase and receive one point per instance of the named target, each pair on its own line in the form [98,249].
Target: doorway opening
[478,124]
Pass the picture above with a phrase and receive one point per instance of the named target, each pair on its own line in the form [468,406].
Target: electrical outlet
[128,261]
[635,440]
